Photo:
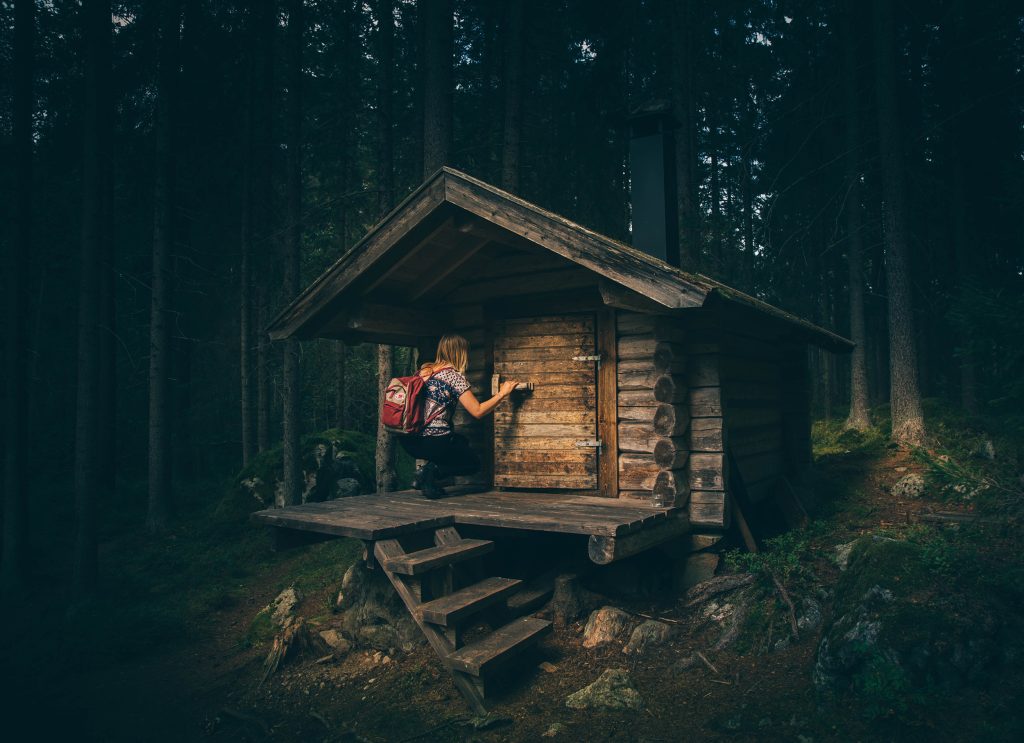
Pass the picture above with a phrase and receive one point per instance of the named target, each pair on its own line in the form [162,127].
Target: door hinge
[595,357]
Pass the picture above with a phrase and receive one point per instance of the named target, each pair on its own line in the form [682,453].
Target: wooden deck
[385,516]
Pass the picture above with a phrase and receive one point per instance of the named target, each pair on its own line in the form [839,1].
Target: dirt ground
[211,689]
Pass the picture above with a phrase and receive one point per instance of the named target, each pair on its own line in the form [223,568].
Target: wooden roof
[452,195]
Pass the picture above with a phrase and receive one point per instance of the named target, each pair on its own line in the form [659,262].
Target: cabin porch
[615,528]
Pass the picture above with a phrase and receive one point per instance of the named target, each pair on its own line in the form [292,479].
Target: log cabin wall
[652,412]
[469,322]
[708,473]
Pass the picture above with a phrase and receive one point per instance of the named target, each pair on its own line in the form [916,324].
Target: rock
[487,722]
[987,450]
[335,641]
[347,487]
[613,690]
[556,728]
[548,667]
[372,614]
[843,554]
[648,634]
[715,612]
[604,625]
[282,609]
[888,638]
[809,616]
[909,486]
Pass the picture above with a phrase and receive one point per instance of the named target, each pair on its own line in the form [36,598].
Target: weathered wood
[669,358]
[534,480]
[637,399]
[545,430]
[709,508]
[671,488]
[568,469]
[560,354]
[760,466]
[663,328]
[483,656]
[637,375]
[671,453]
[423,561]
[706,402]
[511,286]
[390,548]
[512,443]
[671,388]
[607,404]
[620,298]
[707,435]
[525,417]
[637,437]
[671,420]
[707,471]
[644,414]
[510,342]
[703,370]
[454,608]
[606,550]
[536,327]
[637,471]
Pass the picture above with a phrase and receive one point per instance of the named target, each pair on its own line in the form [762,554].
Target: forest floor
[167,652]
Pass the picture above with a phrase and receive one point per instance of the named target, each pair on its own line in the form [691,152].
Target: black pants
[451,453]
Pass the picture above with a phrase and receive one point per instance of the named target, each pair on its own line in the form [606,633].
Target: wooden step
[481,657]
[423,561]
[451,609]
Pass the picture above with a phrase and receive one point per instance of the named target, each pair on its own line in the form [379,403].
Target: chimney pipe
[652,172]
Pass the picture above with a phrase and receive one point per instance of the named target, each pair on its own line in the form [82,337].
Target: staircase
[444,592]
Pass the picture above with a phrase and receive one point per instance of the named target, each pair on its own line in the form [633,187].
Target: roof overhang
[623,269]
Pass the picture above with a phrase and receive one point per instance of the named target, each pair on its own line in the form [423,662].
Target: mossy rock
[893,635]
[327,457]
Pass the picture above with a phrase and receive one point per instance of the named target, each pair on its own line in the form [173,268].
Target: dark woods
[175,172]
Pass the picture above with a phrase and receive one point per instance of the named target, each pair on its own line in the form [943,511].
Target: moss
[893,565]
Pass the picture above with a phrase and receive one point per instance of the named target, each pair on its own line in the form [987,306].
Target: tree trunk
[13,563]
[245,351]
[513,84]
[163,246]
[907,417]
[262,373]
[385,114]
[966,269]
[340,414]
[385,443]
[291,453]
[858,418]
[684,109]
[438,51]
[96,30]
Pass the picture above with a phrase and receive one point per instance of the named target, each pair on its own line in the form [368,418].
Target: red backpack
[405,406]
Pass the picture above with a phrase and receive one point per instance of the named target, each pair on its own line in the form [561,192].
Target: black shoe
[428,483]
[419,477]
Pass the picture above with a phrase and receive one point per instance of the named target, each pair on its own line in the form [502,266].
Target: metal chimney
[652,171]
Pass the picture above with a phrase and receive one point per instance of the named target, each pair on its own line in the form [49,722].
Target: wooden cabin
[651,398]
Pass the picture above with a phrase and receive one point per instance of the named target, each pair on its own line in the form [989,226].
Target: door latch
[589,444]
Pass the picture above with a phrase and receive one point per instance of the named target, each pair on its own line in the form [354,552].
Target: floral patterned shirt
[443,390]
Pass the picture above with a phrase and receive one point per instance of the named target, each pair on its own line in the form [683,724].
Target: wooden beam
[621,298]
[409,255]
[604,550]
[607,405]
[451,267]
[395,320]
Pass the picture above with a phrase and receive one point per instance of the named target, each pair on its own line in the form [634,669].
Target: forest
[176,172]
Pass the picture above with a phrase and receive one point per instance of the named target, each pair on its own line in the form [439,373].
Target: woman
[447,453]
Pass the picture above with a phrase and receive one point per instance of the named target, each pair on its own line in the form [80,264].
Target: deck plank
[387,515]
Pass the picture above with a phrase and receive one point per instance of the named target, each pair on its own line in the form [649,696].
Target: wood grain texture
[607,404]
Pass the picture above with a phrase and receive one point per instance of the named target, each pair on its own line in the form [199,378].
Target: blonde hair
[452,350]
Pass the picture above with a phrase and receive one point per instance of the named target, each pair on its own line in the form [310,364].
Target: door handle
[521,387]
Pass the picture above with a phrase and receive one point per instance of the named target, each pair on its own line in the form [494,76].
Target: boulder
[809,616]
[648,634]
[909,486]
[335,641]
[347,487]
[891,634]
[613,690]
[604,625]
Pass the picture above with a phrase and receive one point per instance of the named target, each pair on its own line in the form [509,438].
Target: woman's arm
[479,409]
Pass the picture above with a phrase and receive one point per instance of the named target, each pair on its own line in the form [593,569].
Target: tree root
[789,603]
[714,586]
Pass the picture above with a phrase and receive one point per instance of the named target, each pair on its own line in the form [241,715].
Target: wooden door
[543,438]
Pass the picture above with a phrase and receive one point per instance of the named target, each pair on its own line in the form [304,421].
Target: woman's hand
[506,387]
